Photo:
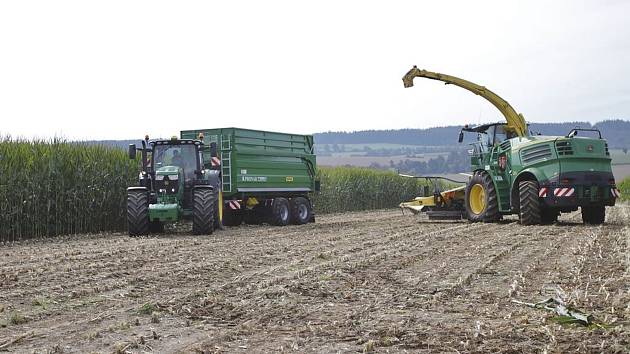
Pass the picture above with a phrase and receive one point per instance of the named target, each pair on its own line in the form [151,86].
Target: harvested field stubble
[351,282]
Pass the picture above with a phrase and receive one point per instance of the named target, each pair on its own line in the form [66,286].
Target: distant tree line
[455,162]
[616,132]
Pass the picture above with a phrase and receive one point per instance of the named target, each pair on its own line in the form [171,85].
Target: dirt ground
[372,281]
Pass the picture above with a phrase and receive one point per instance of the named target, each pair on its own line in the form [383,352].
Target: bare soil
[371,281]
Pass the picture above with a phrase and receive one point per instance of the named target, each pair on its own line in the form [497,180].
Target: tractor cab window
[496,135]
[183,156]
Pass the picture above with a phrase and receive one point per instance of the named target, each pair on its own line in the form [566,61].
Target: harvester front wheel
[481,199]
[529,207]
[301,211]
[138,213]
[594,215]
[280,212]
[204,200]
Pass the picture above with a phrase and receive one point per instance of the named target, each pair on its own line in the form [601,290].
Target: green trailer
[265,176]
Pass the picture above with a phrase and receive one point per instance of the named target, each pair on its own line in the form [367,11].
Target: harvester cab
[174,183]
[537,177]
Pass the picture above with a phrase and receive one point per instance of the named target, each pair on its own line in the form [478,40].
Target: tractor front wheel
[204,200]
[529,207]
[138,213]
[481,199]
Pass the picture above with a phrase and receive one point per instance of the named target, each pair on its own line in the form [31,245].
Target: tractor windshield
[184,156]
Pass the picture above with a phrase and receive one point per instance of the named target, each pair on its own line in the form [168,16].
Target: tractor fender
[137,189]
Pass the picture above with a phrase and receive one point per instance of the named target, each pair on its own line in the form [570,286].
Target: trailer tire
[594,215]
[301,211]
[138,213]
[280,212]
[529,203]
[232,217]
[204,200]
[481,199]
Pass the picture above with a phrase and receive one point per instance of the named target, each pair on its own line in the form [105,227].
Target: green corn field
[624,188]
[354,188]
[55,187]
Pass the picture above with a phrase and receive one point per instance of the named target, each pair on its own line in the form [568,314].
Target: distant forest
[616,132]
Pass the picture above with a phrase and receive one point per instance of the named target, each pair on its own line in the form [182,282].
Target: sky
[121,69]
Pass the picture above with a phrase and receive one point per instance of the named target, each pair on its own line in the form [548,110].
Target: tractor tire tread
[529,207]
[138,213]
[204,201]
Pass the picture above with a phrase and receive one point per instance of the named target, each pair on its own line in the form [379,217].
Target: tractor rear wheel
[280,212]
[529,207]
[481,199]
[594,215]
[204,200]
[300,211]
[138,213]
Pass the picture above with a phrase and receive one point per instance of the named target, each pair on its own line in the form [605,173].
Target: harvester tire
[280,212]
[138,213]
[485,209]
[594,215]
[529,207]
[204,200]
[301,211]
[232,217]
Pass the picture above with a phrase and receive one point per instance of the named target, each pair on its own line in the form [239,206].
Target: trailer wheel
[280,212]
[138,213]
[529,207]
[232,217]
[481,199]
[204,200]
[300,211]
[594,215]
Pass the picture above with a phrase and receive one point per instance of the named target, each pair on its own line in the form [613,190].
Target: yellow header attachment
[515,121]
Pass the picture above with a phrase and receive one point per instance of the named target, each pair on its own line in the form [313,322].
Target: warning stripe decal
[234,204]
[216,161]
[563,192]
[542,193]
[615,192]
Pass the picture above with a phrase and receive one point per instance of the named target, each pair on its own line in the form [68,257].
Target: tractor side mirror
[461,136]
[213,149]
[132,151]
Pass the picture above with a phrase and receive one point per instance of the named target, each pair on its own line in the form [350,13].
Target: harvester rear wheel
[529,207]
[481,199]
[594,215]
[280,212]
[204,200]
[301,211]
[138,213]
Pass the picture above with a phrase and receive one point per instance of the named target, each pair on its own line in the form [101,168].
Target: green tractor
[516,172]
[174,183]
